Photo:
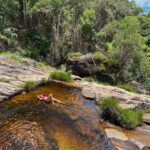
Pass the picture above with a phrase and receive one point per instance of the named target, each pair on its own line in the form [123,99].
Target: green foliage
[15,56]
[62,76]
[126,118]
[109,108]
[128,88]
[11,33]
[100,57]
[48,30]
[147,110]
[5,40]
[102,68]
[76,54]
[89,79]
[29,85]
[87,27]
[106,78]
[129,119]
[3,80]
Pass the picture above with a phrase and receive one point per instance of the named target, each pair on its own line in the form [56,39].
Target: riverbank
[16,72]
[127,99]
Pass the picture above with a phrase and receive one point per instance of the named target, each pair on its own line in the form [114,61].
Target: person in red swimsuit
[49,99]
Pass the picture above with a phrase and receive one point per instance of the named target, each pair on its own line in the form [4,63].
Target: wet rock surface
[14,73]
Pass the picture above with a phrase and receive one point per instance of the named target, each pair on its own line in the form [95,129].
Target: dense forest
[49,30]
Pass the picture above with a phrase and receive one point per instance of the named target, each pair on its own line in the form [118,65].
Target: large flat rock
[113,133]
[127,99]
[89,93]
[14,73]
[146,118]
[124,145]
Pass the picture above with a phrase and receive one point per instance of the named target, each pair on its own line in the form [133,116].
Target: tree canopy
[47,30]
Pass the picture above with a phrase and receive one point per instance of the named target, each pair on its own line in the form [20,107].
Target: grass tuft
[127,87]
[29,85]
[15,56]
[61,76]
[4,80]
[99,56]
[89,79]
[126,118]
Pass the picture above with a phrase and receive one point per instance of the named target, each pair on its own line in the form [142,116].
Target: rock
[113,133]
[2,98]
[146,118]
[127,106]
[124,145]
[127,99]
[139,88]
[139,144]
[14,73]
[85,65]
[74,77]
[88,93]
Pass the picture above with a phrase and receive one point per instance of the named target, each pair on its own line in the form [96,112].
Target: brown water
[26,123]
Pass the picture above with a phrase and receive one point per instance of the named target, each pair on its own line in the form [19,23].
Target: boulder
[88,93]
[124,145]
[113,133]
[139,144]
[14,74]
[139,88]
[74,77]
[83,66]
[146,118]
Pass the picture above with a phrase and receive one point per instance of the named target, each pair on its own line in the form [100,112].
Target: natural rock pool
[26,123]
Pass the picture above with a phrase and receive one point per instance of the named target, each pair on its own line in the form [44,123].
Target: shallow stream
[26,123]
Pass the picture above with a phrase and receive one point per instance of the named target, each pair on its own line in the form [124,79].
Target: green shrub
[126,118]
[100,57]
[128,88]
[111,64]
[5,40]
[62,76]
[76,54]
[109,108]
[106,78]
[29,85]
[102,68]
[89,79]
[15,56]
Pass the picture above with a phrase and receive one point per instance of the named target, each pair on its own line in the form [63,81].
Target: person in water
[49,99]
